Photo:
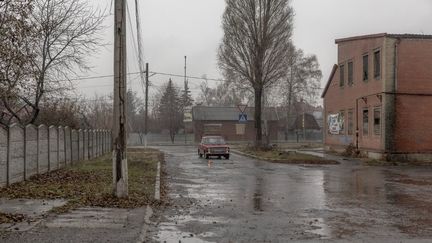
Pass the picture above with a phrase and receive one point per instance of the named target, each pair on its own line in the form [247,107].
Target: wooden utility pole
[146,105]
[185,97]
[120,169]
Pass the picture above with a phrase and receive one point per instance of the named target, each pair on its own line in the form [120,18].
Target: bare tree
[15,54]
[255,44]
[62,112]
[224,94]
[302,81]
[99,112]
[64,33]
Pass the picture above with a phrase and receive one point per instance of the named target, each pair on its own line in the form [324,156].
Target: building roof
[380,35]
[307,120]
[212,113]
[332,74]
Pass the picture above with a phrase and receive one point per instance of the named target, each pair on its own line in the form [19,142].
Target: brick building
[378,96]
[224,121]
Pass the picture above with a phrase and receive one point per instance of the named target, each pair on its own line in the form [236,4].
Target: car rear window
[213,140]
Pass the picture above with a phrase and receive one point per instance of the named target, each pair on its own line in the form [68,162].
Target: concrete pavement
[245,200]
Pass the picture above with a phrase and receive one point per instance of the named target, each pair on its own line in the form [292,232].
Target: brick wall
[413,113]
[229,130]
[344,98]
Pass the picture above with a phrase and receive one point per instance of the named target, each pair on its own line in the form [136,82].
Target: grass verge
[279,156]
[89,183]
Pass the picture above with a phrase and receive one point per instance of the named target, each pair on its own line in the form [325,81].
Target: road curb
[157,184]
[147,223]
[281,161]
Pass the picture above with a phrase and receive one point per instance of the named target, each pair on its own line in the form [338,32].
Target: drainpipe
[357,123]
[390,144]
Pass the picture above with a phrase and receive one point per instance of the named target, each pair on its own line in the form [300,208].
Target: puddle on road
[172,232]
[320,228]
[169,233]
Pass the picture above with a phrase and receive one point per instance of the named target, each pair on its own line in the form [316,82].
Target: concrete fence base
[28,151]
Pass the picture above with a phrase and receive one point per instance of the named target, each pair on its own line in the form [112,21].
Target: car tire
[227,156]
[199,154]
[207,156]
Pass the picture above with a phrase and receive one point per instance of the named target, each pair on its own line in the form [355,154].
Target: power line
[153,73]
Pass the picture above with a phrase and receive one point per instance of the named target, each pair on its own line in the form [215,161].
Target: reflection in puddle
[320,228]
[173,232]
[257,202]
[169,233]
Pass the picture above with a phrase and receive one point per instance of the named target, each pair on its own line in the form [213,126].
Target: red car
[213,146]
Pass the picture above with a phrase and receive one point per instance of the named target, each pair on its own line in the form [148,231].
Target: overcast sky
[175,28]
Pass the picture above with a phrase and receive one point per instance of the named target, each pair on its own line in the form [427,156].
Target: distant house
[209,120]
[379,94]
[224,121]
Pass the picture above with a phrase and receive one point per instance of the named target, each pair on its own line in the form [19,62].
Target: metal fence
[31,150]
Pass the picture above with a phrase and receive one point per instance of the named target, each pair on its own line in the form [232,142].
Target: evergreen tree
[186,99]
[170,110]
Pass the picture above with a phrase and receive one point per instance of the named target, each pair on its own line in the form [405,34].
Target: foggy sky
[175,28]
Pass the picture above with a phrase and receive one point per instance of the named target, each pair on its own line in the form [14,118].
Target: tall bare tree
[64,33]
[255,44]
[224,94]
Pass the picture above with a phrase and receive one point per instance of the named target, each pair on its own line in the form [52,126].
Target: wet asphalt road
[245,200]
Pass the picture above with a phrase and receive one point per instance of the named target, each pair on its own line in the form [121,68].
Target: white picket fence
[31,150]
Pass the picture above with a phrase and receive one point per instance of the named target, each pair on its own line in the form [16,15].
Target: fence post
[16,154]
[53,150]
[31,151]
[68,146]
[61,146]
[85,146]
[3,156]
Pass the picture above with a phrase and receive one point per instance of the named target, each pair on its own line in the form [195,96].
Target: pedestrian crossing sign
[242,117]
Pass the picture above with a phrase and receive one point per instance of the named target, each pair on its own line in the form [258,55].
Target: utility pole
[146,105]
[141,66]
[120,169]
[185,97]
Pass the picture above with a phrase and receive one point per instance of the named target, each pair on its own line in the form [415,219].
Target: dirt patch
[417,182]
[89,183]
[6,218]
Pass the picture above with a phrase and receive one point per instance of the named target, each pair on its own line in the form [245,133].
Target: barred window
[365,67]
[365,122]
[377,64]
[377,121]
[342,75]
[350,73]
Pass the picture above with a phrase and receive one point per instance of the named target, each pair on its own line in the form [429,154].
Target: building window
[365,122]
[377,64]
[350,122]
[342,122]
[342,75]
[350,73]
[377,121]
[365,67]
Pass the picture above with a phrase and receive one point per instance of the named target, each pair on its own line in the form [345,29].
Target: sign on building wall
[187,115]
[240,129]
[335,123]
